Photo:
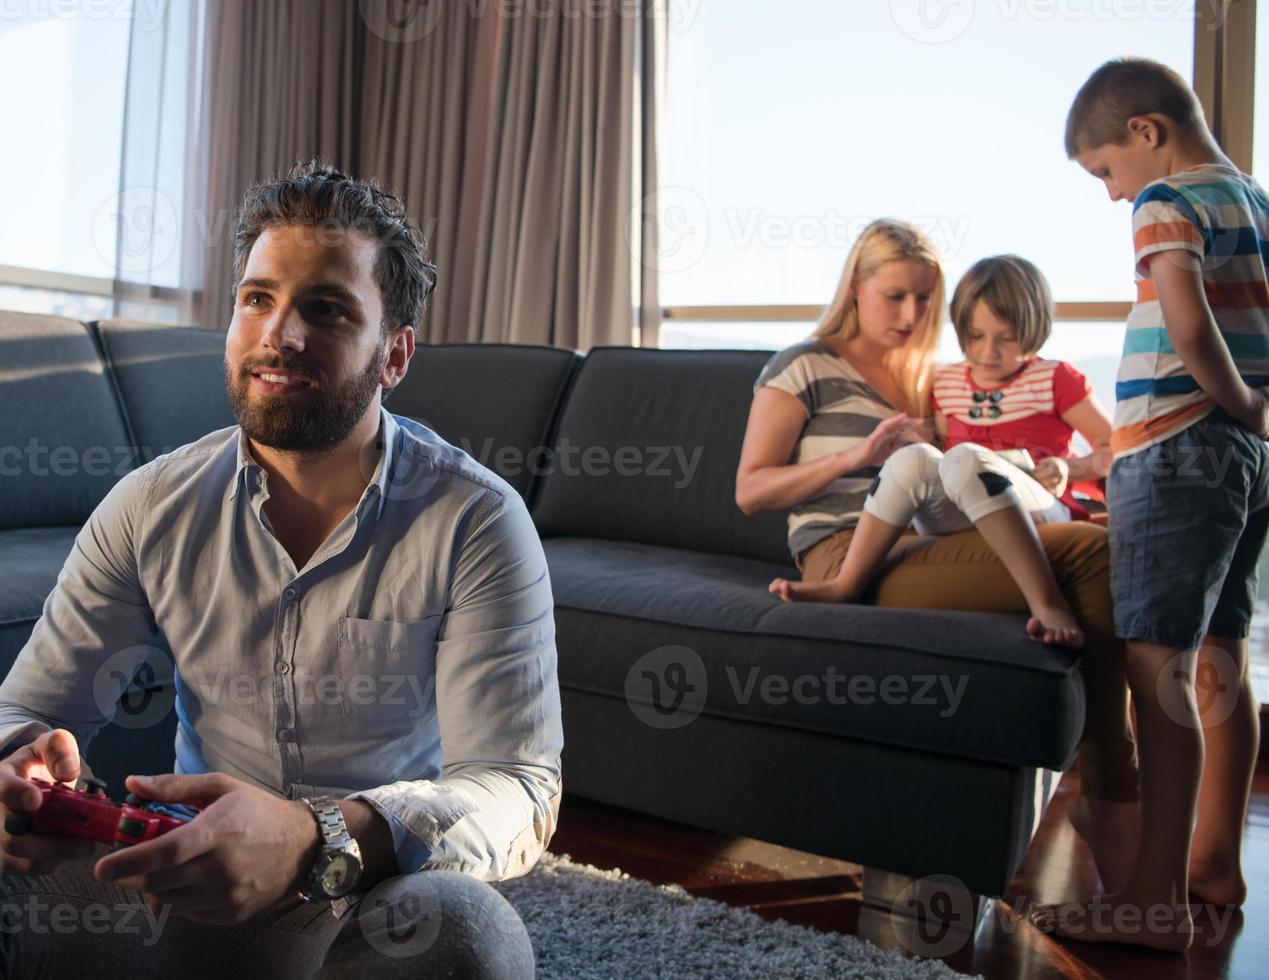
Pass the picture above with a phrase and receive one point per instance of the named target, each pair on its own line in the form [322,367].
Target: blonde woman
[827,414]
[996,413]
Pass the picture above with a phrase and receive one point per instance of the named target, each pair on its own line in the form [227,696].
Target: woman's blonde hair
[1014,290]
[912,365]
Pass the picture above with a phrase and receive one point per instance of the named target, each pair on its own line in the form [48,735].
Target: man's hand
[53,757]
[243,853]
[1053,473]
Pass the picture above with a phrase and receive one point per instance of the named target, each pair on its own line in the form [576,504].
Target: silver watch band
[330,822]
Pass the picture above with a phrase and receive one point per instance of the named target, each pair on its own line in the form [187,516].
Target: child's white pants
[943,493]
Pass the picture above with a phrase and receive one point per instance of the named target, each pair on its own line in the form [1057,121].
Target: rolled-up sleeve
[498,707]
[95,631]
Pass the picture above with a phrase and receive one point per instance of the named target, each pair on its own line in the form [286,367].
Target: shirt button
[286,735]
[291,592]
[281,667]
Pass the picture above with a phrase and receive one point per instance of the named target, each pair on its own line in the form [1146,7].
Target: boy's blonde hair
[1124,88]
[1013,289]
[911,366]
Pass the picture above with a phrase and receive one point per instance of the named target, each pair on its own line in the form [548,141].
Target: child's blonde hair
[1013,289]
[912,365]
[1124,88]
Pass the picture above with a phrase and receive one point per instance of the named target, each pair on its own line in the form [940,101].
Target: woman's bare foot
[1217,881]
[830,591]
[1056,625]
[1112,832]
[1119,918]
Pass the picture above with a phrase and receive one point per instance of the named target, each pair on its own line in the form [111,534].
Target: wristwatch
[338,865]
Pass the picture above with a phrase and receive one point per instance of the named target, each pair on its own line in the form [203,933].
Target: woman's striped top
[841,411]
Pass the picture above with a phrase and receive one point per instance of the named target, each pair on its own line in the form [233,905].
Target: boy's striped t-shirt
[1220,215]
[842,410]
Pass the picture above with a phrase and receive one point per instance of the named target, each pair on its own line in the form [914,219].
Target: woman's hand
[1054,474]
[888,436]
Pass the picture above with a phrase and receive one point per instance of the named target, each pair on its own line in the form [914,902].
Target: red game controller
[88,812]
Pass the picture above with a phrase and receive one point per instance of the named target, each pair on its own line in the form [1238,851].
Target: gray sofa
[912,741]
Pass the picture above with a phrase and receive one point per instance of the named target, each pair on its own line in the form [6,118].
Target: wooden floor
[778,883]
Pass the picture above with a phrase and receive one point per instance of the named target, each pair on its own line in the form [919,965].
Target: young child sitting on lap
[1002,399]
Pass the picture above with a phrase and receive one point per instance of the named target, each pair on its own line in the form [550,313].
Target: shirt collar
[248,469]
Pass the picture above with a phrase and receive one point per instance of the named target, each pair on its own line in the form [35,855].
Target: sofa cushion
[63,441]
[647,449]
[170,381]
[967,684]
[31,558]
[497,402]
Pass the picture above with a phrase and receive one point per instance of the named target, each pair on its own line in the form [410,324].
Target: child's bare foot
[1056,625]
[1217,881]
[1112,832]
[830,591]
[1119,918]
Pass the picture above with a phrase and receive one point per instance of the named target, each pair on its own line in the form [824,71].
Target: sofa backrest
[496,402]
[170,381]
[647,448]
[63,440]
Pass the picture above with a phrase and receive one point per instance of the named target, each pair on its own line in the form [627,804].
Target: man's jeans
[428,924]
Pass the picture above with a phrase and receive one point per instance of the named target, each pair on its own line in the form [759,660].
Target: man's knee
[435,923]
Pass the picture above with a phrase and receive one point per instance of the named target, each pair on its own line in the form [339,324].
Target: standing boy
[1188,497]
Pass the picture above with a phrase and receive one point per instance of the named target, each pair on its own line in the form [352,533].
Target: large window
[792,123]
[62,118]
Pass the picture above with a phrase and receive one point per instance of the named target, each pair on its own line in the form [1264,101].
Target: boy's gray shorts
[1188,519]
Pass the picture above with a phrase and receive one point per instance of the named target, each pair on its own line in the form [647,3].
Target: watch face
[340,875]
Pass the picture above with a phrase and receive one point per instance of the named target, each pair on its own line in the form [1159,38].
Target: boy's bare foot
[1119,918]
[1112,832]
[1216,881]
[1055,625]
[830,591]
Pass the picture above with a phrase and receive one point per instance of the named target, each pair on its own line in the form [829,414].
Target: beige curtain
[516,143]
[279,86]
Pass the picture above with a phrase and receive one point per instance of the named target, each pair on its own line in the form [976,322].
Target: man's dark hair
[1121,89]
[317,194]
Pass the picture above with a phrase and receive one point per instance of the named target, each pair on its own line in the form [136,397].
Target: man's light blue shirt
[410,662]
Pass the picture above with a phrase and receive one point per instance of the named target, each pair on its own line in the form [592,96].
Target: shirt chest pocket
[387,669]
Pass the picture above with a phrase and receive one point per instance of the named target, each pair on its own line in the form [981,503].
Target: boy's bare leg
[1152,909]
[1013,537]
[1231,735]
[869,546]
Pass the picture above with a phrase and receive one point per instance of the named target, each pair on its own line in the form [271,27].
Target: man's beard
[311,424]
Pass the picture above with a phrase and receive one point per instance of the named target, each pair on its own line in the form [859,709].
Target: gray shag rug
[588,924]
